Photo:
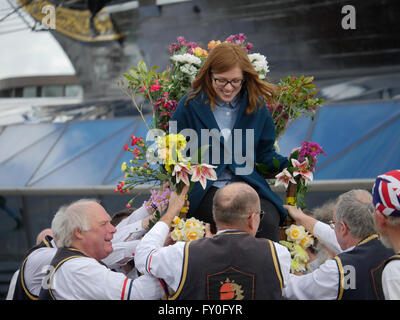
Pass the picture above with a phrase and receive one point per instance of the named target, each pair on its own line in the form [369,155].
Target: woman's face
[227,84]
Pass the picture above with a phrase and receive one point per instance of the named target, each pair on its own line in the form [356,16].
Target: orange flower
[212,44]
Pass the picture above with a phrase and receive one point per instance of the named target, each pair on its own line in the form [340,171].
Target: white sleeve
[161,262]
[131,228]
[122,253]
[86,279]
[327,236]
[321,284]
[391,280]
[129,232]
[11,288]
[137,215]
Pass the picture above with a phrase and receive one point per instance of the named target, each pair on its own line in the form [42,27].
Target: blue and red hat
[386,193]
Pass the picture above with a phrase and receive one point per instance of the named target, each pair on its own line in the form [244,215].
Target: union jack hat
[386,193]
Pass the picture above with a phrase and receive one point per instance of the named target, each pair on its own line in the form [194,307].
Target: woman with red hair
[228,96]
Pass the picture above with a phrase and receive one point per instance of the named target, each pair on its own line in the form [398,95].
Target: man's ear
[251,222]
[380,219]
[78,233]
[344,227]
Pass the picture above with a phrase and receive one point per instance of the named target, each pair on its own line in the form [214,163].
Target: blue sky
[26,52]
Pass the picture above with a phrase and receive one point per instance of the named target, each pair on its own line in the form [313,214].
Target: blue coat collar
[206,115]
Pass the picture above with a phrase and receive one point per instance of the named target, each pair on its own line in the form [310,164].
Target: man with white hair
[348,275]
[386,199]
[83,233]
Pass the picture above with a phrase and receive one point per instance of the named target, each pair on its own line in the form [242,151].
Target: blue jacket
[197,115]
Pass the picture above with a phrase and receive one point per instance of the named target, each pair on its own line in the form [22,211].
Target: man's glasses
[222,83]
[262,214]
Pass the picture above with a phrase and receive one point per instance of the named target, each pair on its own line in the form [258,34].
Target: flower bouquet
[298,240]
[294,97]
[295,177]
[163,163]
[187,230]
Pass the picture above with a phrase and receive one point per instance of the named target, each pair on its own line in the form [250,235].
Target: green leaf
[262,168]
[276,163]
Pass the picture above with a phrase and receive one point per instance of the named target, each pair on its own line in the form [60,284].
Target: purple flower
[310,150]
[158,198]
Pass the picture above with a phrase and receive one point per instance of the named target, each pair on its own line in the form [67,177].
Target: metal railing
[315,186]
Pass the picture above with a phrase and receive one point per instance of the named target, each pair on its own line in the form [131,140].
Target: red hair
[223,58]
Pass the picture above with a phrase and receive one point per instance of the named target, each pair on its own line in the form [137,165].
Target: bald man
[233,265]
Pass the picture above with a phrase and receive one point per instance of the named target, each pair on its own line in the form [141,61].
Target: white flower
[260,64]
[177,234]
[307,241]
[186,58]
[178,222]
[284,178]
[191,229]
[188,69]
[295,233]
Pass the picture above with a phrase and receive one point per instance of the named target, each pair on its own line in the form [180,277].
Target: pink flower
[284,178]
[302,169]
[181,172]
[155,87]
[202,173]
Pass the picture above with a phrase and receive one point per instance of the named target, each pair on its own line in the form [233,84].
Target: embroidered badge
[230,284]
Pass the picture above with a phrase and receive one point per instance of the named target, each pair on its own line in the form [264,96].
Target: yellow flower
[307,241]
[191,234]
[199,52]
[300,255]
[192,223]
[297,266]
[176,234]
[295,233]
[212,44]
[191,229]
[177,222]
[124,166]
[170,141]
[168,168]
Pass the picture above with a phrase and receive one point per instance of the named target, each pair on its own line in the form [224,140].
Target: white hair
[355,208]
[70,217]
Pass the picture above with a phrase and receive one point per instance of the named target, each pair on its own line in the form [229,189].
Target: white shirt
[166,262]
[391,280]
[36,266]
[11,288]
[86,279]
[327,236]
[131,228]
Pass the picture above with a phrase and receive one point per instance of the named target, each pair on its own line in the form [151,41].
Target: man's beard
[385,241]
